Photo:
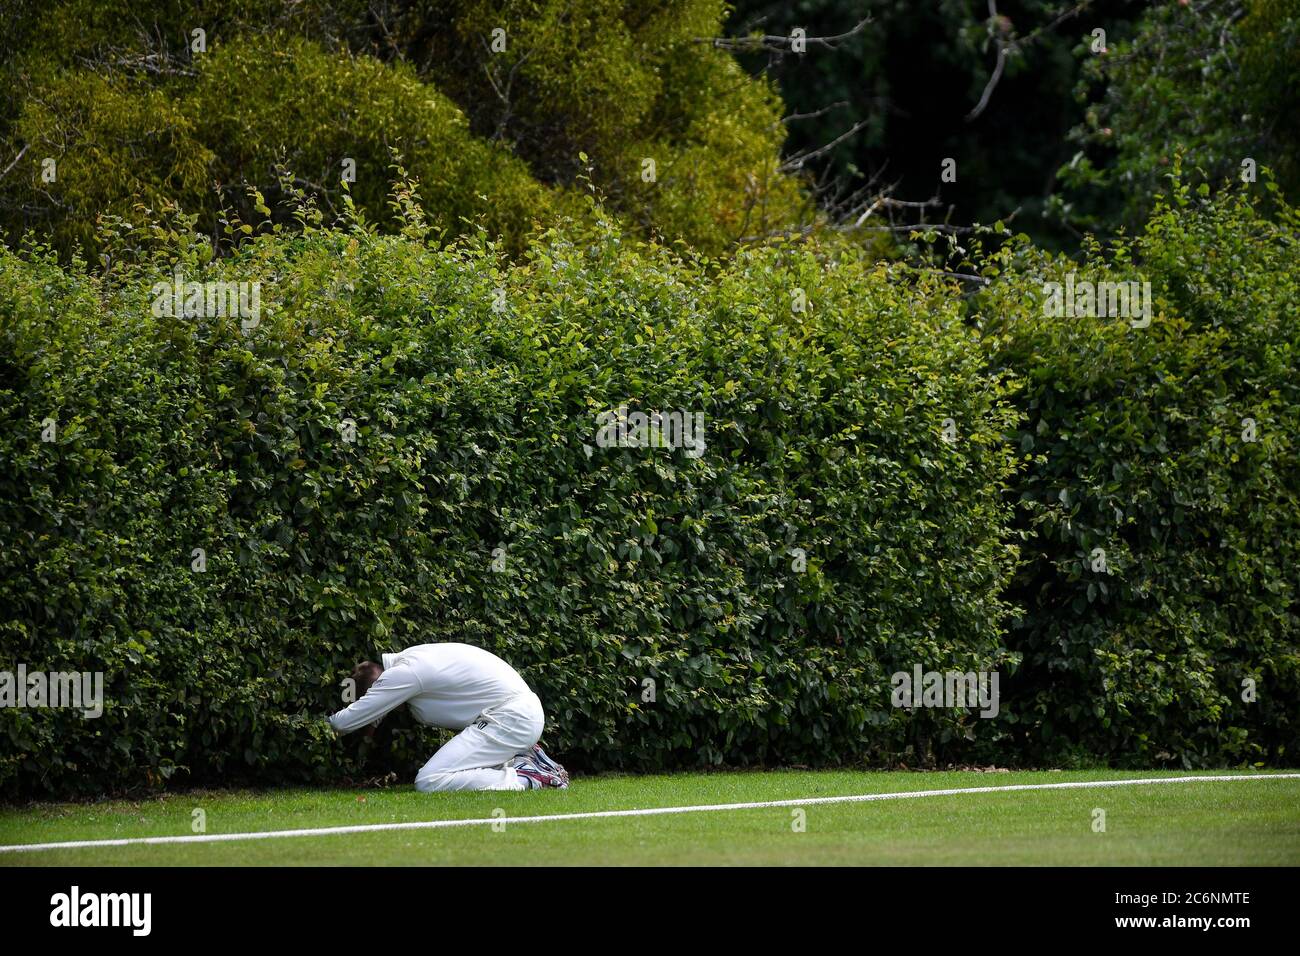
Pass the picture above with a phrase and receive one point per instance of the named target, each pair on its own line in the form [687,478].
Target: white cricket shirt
[446,685]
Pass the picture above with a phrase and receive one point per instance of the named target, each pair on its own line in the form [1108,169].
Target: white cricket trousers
[475,759]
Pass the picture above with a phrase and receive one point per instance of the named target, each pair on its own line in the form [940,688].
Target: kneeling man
[465,688]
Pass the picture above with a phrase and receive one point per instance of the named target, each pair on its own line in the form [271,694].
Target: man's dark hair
[365,674]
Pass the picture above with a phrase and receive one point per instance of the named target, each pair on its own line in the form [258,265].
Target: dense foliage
[476,429]
[394,429]
[475,502]
[499,127]
[1216,82]
[1170,451]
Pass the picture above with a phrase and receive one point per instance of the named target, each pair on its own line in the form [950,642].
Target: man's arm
[394,687]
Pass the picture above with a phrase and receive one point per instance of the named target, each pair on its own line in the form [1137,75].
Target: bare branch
[777,43]
[15,160]
[960,275]
[502,92]
[815,113]
[160,63]
[999,27]
[1004,51]
[796,162]
[377,13]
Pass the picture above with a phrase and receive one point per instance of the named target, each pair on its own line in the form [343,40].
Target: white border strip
[652,811]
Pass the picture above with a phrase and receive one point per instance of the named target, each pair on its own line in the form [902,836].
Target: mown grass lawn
[1254,822]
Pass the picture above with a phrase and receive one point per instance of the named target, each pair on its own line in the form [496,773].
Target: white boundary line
[652,811]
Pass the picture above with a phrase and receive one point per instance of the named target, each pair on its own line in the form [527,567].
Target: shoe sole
[546,763]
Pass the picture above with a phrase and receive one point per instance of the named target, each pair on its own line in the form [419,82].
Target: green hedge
[476,414]
[1135,444]
[475,429]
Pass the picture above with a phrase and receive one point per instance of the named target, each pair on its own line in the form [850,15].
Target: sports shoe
[538,779]
[538,756]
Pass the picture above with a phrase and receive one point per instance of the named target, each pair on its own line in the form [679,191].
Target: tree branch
[1000,26]
[776,43]
[15,160]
